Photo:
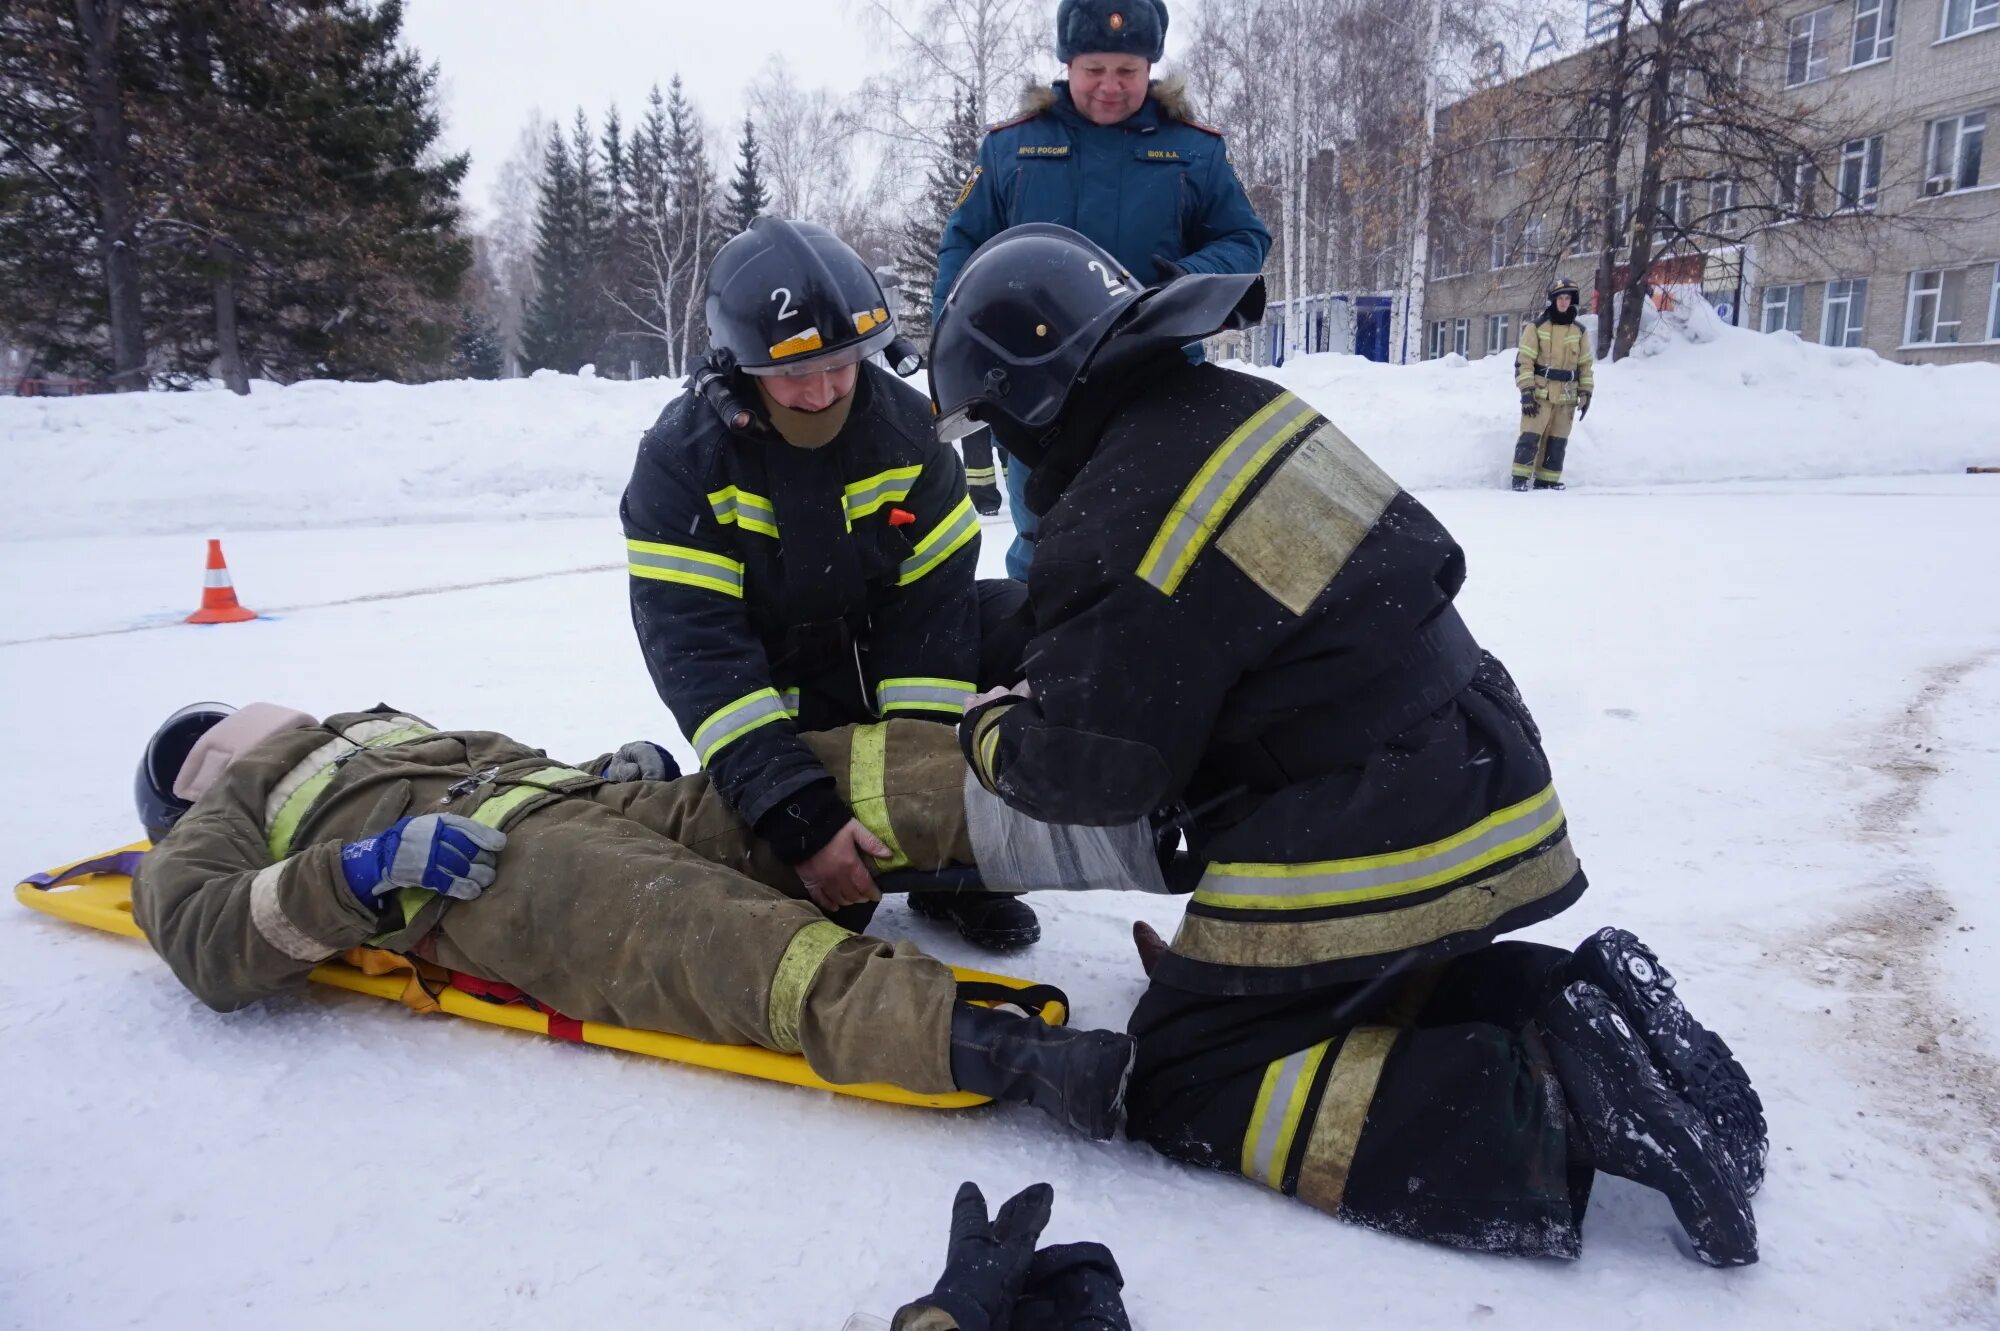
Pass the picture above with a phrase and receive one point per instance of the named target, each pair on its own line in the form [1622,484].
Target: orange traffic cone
[218,594]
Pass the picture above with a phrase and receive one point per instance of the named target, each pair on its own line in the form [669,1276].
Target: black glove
[987,1262]
[1073,1287]
[985,498]
[1167,269]
[1529,406]
[1582,405]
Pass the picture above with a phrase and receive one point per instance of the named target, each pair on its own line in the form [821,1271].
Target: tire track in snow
[1938,1077]
[444,589]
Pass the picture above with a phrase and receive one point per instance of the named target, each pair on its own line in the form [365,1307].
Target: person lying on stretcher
[615,892]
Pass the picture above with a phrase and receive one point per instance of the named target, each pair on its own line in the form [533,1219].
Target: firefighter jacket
[1554,361]
[1153,186]
[777,589]
[1239,613]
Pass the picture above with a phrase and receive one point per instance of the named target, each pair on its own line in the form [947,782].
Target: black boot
[996,921]
[1549,485]
[1076,1076]
[1521,483]
[1635,1126]
[1697,1064]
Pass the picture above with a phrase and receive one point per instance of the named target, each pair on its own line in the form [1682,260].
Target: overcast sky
[503,58]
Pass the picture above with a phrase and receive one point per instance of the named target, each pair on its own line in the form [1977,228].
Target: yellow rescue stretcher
[102,899]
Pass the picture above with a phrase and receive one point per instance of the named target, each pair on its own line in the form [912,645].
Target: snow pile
[1704,403]
[1735,406]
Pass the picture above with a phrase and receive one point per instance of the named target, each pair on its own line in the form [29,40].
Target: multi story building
[1899,252]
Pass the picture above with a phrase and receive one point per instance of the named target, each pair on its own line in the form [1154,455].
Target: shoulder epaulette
[1021,119]
[1206,129]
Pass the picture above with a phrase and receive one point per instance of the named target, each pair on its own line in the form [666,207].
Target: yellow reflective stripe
[305,783]
[868,496]
[1274,1121]
[751,512]
[922,693]
[980,475]
[793,980]
[1375,877]
[734,720]
[945,540]
[1205,504]
[686,565]
[790,699]
[867,790]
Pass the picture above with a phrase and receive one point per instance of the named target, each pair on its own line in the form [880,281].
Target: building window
[1993,309]
[1807,40]
[1674,204]
[1499,327]
[1437,339]
[1496,254]
[1680,94]
[1874,31]
[1784,309]
[1860,174]
[1963,16]
[1461,336]
[1795,176]
[1622,218]
[1846,308]
[1723,195]
[1533,237]
[1955,147]
[1933,309]
[1506,157]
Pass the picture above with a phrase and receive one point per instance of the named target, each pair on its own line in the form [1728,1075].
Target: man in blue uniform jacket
[1114,155]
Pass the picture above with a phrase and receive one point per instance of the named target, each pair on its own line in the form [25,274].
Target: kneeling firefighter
[802,555]
[1239,616]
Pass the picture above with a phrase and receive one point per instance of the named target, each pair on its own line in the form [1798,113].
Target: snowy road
[1774,711]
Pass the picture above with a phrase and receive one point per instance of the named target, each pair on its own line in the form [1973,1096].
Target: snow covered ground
[1774,709]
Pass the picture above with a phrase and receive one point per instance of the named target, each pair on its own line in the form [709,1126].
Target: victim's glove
[1530,407]
[439,852]
[987,1262]
[1167,269]
[1582,405]
[641,760]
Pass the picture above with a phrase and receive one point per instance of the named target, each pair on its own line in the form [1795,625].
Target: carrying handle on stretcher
[118,861]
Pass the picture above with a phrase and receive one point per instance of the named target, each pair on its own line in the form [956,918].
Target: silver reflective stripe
[731,505]
[722,574]
[216,577]
[1510,830]
[1206,502]
[736,719]
[1277,1115]
[927,697]
[276,926]
[308,767]
[941,544]
[886,488]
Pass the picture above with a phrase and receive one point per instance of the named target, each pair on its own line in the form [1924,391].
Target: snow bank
[1734,406]
[1703,403]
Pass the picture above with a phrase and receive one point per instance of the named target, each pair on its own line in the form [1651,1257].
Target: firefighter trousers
[1544,441]
[650,904]
[1422,1103]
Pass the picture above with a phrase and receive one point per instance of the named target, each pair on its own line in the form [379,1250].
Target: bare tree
[808,146]
[509,255]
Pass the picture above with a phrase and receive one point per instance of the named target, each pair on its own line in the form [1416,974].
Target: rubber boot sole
[1637,1127]
[976,917]
[1696,1061]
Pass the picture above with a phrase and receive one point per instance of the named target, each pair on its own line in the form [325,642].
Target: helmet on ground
[1039,307]
[1562,286]
[153,786]
[792,298]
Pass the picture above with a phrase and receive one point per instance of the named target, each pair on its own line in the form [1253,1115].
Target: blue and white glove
[641,760]
[439,852]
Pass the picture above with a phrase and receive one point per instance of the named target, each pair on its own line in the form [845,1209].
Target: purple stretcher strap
[118,861]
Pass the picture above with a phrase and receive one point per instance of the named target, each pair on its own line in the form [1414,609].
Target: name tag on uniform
[1159,155]
[1043,150]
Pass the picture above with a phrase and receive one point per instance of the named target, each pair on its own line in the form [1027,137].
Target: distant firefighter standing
[1554,373]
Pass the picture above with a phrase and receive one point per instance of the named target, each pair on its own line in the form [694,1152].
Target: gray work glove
[641,760]
[1530,407]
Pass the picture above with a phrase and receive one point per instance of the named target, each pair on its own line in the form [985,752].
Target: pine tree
[477,353]
[747,196]
[949,177]
[549,332]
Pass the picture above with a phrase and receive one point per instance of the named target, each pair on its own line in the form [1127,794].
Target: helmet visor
[959,423]
[817,360]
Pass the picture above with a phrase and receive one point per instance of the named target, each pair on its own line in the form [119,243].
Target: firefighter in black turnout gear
[802,556]
[1240,618]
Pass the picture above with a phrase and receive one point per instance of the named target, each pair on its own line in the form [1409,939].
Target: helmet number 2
[782,296]
[1110,283]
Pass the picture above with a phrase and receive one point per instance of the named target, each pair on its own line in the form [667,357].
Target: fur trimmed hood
[1170,93]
